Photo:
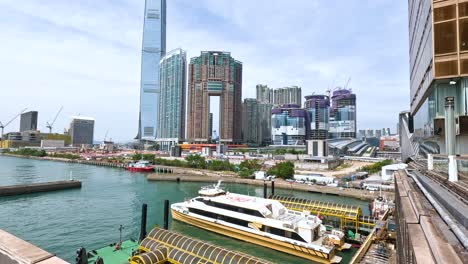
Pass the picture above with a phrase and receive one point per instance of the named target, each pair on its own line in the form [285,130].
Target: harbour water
[62,221]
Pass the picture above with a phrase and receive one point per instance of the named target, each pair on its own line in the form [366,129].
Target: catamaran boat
[140,166]
[260,221]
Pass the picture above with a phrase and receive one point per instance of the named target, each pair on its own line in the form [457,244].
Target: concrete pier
[38,187]
[17,251]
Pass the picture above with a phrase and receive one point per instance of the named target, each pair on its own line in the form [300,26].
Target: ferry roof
[244,201]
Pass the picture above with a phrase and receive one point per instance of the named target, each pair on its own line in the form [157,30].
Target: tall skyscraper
[318,107]
[343,114]
[28,121]
[153,49]
[250,121]
[81,131]
[171,124]
[438,69]
[214,73]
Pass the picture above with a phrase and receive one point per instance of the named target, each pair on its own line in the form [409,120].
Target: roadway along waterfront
[62,221]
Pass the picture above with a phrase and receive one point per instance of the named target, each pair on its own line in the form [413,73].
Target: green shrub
[376,167]
[284,170]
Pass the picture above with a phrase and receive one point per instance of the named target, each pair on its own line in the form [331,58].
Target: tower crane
[50,125]
[2,126]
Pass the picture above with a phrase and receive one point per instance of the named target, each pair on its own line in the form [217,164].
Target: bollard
[144,210]
[166,214]
[452,170]
[272,188]
[264,190]
[430,162]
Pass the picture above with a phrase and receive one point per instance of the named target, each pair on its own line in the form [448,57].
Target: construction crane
[105,136]
[50,125]
[2,126]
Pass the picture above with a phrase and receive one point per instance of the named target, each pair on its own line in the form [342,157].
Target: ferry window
[287,234]
[297,237]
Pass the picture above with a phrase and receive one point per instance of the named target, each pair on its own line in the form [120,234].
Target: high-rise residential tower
[171,124]
[28,121]
[214,73]
[250,121]
[264,94]
[287,95]
[153,49]
[343,114]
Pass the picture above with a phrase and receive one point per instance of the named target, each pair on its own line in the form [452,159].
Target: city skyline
[104,46]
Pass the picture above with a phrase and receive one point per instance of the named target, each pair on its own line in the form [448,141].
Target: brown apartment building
[214,73]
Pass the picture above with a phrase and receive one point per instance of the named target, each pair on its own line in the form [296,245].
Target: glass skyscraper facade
[153,49]
[171,120]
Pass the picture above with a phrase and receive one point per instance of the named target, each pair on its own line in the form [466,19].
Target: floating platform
[161,246]
[38,187]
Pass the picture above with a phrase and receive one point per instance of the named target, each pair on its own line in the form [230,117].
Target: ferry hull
[256,239]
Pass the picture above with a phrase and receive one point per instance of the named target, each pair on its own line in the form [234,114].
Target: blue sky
[85,55]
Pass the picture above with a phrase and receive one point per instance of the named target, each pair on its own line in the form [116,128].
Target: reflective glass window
[463,9]
[446,68]
[445,35]
[444,13]
[463,29]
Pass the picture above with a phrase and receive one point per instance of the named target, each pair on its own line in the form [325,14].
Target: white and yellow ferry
[260,221]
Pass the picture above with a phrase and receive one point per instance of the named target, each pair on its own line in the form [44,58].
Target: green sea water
[62,221]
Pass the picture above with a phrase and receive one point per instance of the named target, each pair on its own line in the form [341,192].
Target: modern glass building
[343,114]
[171,119]
[214,73]
[438,49]
[28,121]
[289,125]
[318,107]
[81,131]
[153,49]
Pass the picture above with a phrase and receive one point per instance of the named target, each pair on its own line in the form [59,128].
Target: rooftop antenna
[50,125]
[2,126]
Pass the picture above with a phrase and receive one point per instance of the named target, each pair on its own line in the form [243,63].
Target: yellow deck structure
[163,246]
[348,215]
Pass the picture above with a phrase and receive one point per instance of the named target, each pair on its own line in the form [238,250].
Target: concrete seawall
[14,250]
[38,187]
[354,193]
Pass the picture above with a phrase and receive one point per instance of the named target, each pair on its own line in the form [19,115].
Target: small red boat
[140,166]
